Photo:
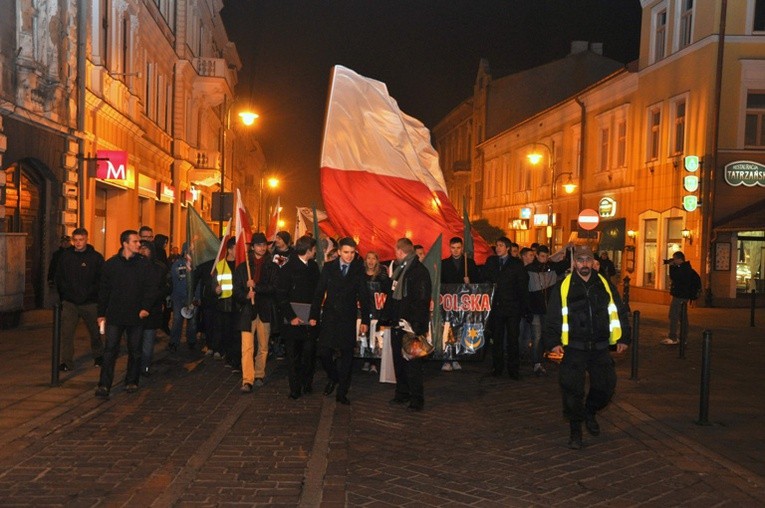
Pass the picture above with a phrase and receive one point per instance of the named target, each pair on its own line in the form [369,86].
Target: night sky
[427,52]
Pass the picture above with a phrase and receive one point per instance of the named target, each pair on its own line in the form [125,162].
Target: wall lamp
[687,235]
[631,233]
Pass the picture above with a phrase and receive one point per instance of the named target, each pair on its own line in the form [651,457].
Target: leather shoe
[591,424]
[398,400]
[64,368]
[415,407]
[342,399]
[330,388]
[307,389]
[294,395]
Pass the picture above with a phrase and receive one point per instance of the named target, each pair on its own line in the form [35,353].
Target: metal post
[706,347]
[754,303]
[56,346]
[626,293]
[635,341]
[683,330]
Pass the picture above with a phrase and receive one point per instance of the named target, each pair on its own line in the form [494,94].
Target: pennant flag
[223,241]
[273,223]
[467,241]
[243,231]
[202,242]
[432,262]
[380,178]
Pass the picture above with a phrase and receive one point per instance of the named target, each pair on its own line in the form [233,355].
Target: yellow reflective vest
[225,279]
[613,314]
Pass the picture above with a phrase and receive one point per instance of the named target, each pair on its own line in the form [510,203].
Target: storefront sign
[147,187]
[690,203]
[691,183]
[540,219]
[519,224]
[525,213]
[607,207]
[746,173]
[111,164]
[166,193]
[691,163]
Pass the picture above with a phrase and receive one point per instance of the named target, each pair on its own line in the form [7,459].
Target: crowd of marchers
[280,304]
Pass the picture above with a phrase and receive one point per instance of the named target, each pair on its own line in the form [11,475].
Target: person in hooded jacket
[78,275]
[686,285]
[159,275]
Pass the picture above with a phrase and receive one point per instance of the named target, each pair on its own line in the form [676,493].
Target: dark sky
[427,52]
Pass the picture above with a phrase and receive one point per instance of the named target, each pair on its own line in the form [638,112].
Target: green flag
[468,239]
[432,262]
[202,245]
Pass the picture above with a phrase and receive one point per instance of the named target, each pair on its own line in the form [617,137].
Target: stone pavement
[188,438]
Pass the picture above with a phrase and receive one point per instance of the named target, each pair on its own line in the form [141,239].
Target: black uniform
[508,306]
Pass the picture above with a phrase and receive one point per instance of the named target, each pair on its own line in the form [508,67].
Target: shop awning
[749,218]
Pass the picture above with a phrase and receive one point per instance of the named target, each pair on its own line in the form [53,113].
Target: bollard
[683,330]
[635,340]
[626,293]
[706,347]
[754,303]
[56,346]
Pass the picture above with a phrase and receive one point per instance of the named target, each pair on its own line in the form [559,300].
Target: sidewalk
[188,438]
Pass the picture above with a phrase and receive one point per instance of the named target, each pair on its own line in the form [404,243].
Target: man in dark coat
[77,278]
[408,298]
[342,289]
[686,286]
[296,284]
[254,290]
[509,305]
[125,297]
[160,277]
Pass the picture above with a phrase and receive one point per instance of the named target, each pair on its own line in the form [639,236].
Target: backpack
[695,288]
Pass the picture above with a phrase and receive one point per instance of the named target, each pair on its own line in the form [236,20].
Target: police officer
[585,316]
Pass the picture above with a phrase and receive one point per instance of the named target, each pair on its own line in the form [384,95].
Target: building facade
[668,151]
[148,129]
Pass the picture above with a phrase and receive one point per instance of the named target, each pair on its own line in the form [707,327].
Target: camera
[667,261]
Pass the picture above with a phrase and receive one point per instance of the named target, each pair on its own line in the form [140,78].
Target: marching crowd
[280,298]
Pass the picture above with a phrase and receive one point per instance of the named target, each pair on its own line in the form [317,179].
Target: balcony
[214,79]
[206,170]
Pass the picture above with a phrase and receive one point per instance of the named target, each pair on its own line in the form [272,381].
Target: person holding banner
[254,290]
[339,294]
[408,299]
[295,287]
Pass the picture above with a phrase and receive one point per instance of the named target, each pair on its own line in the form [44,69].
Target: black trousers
[338,370]
[114,333]
[573,371]
[225,332]
[409,377]
[505,331]
[300,342]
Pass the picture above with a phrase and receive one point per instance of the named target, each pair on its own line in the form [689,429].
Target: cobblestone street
[189,438]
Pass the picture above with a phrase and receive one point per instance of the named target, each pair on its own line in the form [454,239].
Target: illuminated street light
[247,118]
[273,183]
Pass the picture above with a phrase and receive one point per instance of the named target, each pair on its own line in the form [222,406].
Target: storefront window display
[649,253]
[750,261]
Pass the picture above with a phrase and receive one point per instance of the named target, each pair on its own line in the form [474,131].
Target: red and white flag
[273,222]
[380,178]
[222,248]
[243,230]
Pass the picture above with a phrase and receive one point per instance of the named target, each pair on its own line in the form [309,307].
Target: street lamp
[273,183]
[247,118]
[534,158]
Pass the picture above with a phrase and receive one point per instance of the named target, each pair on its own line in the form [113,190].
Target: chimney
[597,48]
[579,47]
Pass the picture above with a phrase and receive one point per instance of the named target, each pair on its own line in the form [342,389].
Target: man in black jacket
[686,286]
[584,317]
[78,275]
[340,292]
[254,290]
[125,298]
[408,298]
[296,284]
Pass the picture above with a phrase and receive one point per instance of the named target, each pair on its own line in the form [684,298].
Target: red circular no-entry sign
[588,219]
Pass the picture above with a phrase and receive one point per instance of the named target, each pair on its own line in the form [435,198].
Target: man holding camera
[686,285]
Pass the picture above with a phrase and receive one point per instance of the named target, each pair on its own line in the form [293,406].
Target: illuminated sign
[519,224]
[691,183]
[746,173]
[607,207]
[525,213]
[690,203]
[540,219]
[691,163]
[166,193]
[111,164]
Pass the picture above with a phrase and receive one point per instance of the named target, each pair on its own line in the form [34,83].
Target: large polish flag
[243,230]
[380,178]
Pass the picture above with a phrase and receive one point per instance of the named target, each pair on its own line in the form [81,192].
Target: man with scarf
[408,299]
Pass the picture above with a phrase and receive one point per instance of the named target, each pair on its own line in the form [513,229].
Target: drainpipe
[710,171]
[82,26]
[582,149]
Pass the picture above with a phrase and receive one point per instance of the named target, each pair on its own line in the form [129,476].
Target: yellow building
[645,151]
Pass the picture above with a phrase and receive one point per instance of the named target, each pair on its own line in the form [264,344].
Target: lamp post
[247,118]
[273,183]
[534,157]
